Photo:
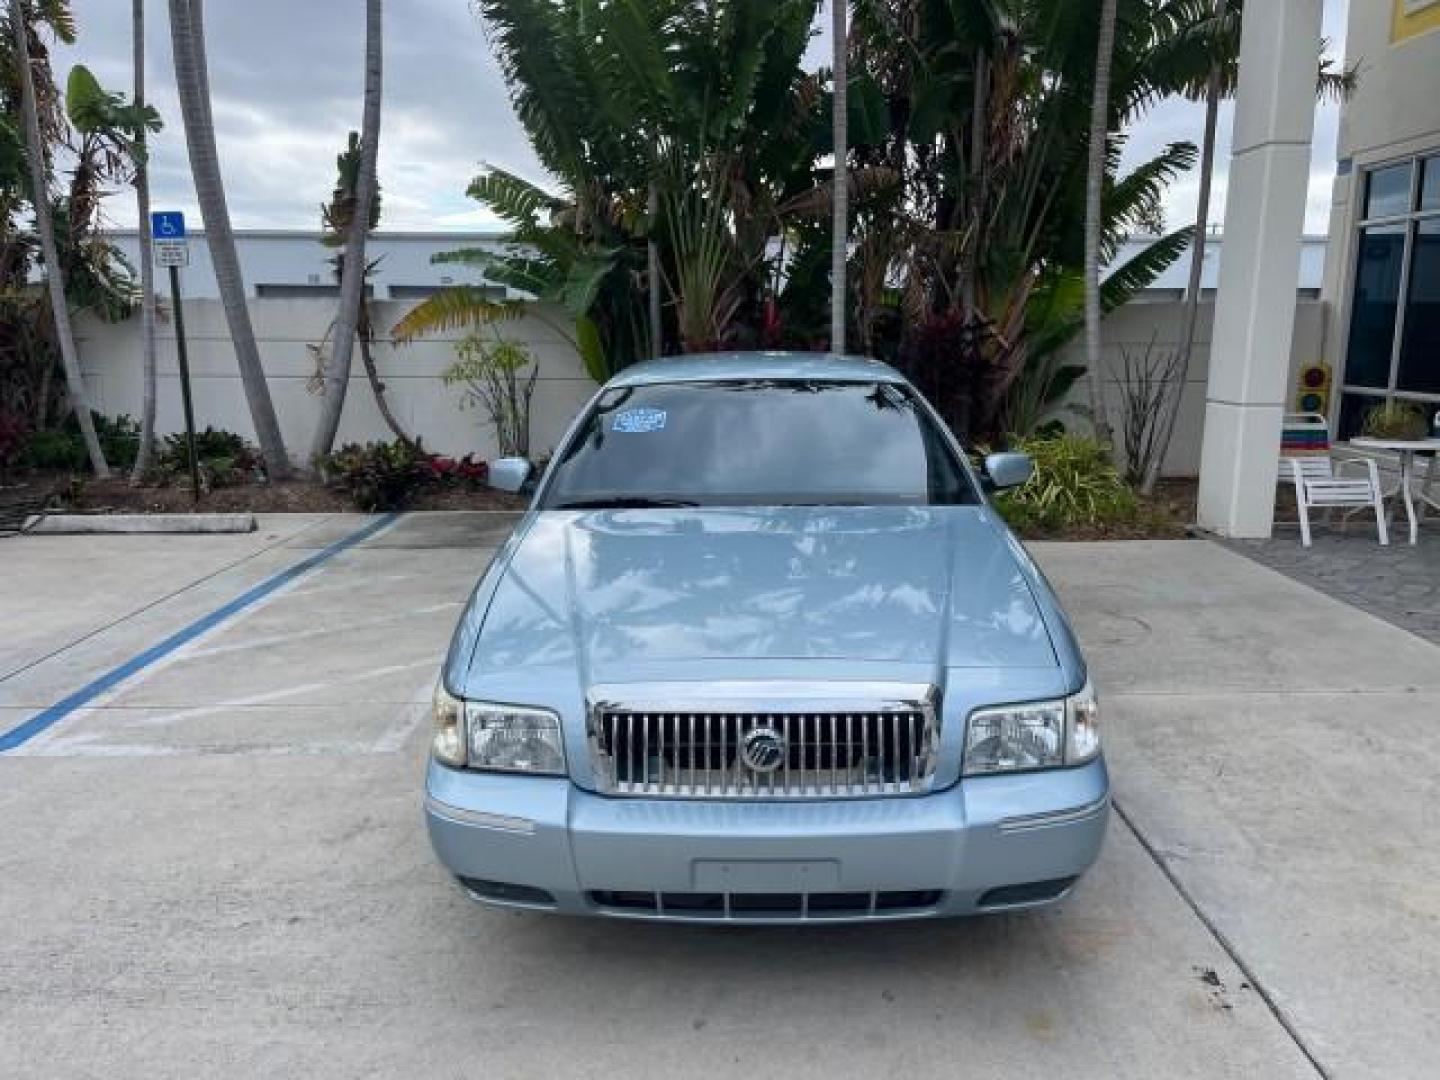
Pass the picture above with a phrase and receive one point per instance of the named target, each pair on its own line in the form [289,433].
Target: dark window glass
[1372,316]
[758,443]
[1420,345]
[1387,191]
[1353,408]
[1430,185]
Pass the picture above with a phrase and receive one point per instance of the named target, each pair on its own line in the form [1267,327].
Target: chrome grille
[640,750]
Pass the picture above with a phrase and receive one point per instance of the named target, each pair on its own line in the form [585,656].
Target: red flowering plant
[466,470]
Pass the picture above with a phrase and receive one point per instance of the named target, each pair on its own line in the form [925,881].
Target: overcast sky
[286,82]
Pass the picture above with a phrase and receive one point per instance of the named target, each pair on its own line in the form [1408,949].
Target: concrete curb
[73,524]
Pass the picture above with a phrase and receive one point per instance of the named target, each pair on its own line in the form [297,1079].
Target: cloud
[286,83]
[286,80]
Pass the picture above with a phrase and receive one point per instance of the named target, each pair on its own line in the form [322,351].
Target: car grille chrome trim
[836,740]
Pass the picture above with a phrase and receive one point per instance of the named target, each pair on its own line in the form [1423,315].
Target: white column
[1259,266]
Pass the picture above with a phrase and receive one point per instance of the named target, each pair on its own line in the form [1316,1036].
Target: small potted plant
[1397,420]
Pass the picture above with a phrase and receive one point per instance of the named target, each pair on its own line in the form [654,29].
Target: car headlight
[1082,728]
[506,738]
[513,738]
[1033,735]
[448,742]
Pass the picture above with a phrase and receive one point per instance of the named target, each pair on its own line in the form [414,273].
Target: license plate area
[765,875]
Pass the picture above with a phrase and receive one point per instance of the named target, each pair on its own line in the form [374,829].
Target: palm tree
[192,82]
[1094,222]
[336,220]
[147,268]
[1191,311]
[690,101]
[840,209]
[352,273]
[45,227]
[652,270]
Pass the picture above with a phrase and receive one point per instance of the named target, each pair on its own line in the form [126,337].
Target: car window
[757,443]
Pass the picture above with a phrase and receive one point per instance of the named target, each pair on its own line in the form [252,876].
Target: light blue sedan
[760,651]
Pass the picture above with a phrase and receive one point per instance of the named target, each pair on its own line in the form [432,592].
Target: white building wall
[1132,328]
[110,356]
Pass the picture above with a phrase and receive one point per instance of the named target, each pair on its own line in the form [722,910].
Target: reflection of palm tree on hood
[933,586]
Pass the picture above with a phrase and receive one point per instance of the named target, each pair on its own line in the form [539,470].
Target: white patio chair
[1432,470]
[1319,478]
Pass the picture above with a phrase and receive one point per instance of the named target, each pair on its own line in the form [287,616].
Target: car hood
[606,591]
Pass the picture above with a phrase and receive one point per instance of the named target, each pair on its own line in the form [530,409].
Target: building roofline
[316,234]
[501,235]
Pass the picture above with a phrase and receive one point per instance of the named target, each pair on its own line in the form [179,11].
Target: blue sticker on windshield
[638,421]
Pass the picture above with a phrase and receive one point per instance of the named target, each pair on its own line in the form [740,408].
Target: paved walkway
[217,865]
[1399,583]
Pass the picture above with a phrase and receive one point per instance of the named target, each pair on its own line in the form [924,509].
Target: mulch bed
[117,495]
[1164,517]
[1167,515]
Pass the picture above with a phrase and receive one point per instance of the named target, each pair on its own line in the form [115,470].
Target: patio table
[1405,449]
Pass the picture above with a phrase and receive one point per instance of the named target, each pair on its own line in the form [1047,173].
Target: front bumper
[545,843]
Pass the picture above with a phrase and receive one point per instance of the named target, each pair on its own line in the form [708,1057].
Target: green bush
[210,443]
[1075,483]
[119,438]
[225,459]
[378,475]
[53,449]
[63,448]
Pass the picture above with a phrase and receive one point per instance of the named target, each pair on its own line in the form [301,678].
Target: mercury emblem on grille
[762,749]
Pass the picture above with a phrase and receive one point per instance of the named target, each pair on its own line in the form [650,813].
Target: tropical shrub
[14,431]
[692,127]
[492,376]
[378,475]
[691,151]
[464,471]
[224,459]
[1075,483]
[1150,392]
[119,437]
[52,449]
[211,443]
[63,448]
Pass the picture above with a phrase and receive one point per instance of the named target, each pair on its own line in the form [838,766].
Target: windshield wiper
[622,502]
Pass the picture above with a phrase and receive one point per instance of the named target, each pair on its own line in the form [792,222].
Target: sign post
[172,251]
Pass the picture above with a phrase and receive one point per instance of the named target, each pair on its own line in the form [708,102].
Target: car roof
[782,366]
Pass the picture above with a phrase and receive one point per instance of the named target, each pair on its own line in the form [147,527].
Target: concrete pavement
[1278,750]
[218,868]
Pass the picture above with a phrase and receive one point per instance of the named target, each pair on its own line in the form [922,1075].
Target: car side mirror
[1007,470]
[509,474]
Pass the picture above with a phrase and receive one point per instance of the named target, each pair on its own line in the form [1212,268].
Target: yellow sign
[1414,17]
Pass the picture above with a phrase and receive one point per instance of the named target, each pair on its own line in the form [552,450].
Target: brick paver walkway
[1399,583]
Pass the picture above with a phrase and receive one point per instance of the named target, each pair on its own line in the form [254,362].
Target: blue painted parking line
[18,736]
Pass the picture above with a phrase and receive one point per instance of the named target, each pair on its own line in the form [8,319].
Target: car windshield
[757,443]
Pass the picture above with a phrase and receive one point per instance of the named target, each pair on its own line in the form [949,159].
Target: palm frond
[452,308]
[1136,201]
[532,42]
[1335,82]
[1140,270]
[511,197]
[863,183]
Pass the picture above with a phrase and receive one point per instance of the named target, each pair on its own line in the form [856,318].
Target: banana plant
[562,277]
